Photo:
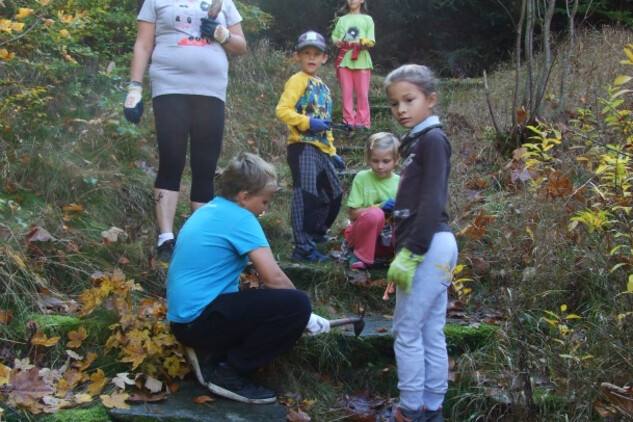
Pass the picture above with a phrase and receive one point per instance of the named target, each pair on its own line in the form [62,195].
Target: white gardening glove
[221,34]
[317,325]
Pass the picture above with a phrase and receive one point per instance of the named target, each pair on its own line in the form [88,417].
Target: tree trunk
[546,68]
[571,16]
[517,71]
[529,54]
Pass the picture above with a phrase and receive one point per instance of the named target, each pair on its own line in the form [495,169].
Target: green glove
[402,269]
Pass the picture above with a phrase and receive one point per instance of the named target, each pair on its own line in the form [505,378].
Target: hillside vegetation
[544,228]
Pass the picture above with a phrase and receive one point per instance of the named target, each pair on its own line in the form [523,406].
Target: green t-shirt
[368,190]
[351,28]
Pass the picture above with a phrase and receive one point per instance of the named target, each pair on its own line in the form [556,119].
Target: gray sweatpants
[418,328]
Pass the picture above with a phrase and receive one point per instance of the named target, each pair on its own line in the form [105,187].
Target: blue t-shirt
[210,254]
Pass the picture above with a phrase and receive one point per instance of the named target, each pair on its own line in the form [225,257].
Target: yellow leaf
[550,322]
[40,339]
[64,33]
[99,381]
[44,2]
[76,337]
[17,26]
[621,80]
[24,12]
[115,400]
[4,374]
[573,316]
[16,259]
[629,284]
[5,55]
[82,398]
[563,308]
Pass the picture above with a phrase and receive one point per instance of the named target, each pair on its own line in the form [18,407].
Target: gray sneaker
[434,415]
[227,382]
[396,414]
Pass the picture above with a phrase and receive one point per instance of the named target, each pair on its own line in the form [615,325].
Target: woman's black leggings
[199,120]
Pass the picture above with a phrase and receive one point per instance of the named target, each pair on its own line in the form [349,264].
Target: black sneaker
[165,250]
[312,256]
[227,382]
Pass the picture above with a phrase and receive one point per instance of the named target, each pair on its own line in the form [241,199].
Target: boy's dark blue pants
[249,328]
[317,194]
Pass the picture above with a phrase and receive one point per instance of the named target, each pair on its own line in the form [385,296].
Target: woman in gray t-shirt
[185,44]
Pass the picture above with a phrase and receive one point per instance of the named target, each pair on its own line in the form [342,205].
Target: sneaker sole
[215,389]
[193,361]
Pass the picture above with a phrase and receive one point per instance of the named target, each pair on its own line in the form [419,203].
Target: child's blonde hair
[416,74]
[382,141]
[247,172]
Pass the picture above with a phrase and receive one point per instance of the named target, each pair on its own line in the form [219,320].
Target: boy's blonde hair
[247,172]
[382,141]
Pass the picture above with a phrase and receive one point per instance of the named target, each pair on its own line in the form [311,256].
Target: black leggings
[248,328]
[199,120]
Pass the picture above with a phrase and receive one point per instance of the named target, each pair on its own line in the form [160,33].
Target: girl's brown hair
[344,10]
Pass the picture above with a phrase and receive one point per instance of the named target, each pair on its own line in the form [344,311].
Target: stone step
[180,407]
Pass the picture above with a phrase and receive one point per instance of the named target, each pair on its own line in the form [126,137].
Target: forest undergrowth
[544,231]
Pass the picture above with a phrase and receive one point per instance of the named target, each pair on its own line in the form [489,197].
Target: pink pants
[355,81]
[363,236]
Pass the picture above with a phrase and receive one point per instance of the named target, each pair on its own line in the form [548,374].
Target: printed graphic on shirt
[316,103]
[187,20]
[351,34]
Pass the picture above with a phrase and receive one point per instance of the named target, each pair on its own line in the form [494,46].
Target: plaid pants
[317,194]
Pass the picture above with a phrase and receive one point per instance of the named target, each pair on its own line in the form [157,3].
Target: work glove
[319,125]
[317,325]
[338,162]
[213,30]
[133,106]
[365,43]
[387,205]
[402,269]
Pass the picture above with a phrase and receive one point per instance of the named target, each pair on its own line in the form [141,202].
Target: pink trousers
[355,81]
[363,236]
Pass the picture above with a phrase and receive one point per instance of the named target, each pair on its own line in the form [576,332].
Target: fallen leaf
[297,415]
[115,400]
[144,397]
[153,385]
[202,399]
[39,234]
[112,234]
[73,208]
[6,316]
[76,337]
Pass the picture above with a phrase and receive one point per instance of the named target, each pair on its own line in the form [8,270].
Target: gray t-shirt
[182,62]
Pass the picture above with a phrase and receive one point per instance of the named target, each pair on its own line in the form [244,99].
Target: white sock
[163,237]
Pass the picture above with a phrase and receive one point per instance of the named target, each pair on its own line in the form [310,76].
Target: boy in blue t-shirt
[228,334]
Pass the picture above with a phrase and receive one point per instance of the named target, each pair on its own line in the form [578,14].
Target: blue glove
[133,107]
[388,205]
[338,162]
[319,125]
[402,269]
[207,28]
